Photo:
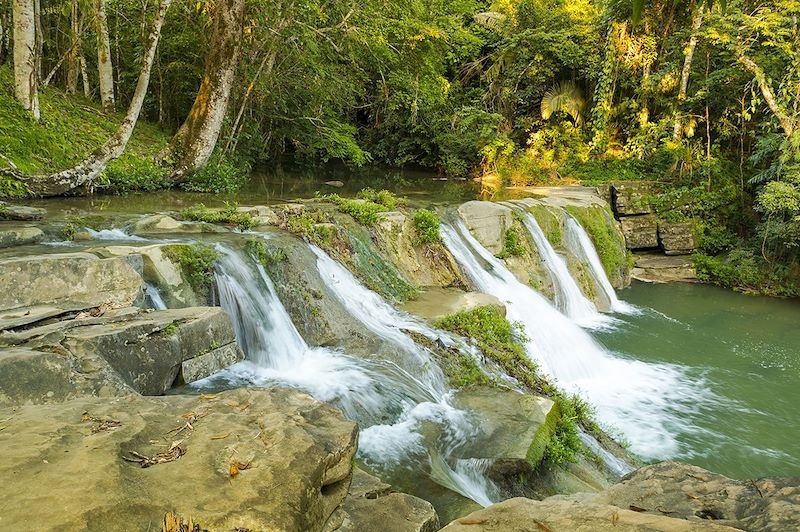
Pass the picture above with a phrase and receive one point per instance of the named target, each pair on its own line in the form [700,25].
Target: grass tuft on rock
[426,225]
[512,244]
[196,263]
[228,215]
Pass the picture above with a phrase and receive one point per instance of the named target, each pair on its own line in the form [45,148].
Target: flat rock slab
[657,268]
[555,515]
[514,428]
[63,465]
[562,196]
[436,303]
[19,236]
[74,280]
[161,224]
[20,212]
[487,222]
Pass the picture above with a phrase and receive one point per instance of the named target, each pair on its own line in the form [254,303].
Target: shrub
[130,173]
[220,175]
[426,225]
[196,263]
[381,197]
[267,256]
[511,244]
[365,212]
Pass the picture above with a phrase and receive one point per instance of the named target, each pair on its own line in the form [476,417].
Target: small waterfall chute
[154,298]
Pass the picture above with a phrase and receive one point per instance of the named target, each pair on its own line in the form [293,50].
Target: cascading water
[648,402]
[569,297]
[580,244]
[424,429]
[154,297]
[406,435]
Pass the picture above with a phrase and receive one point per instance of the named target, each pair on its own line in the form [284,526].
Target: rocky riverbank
[102,336]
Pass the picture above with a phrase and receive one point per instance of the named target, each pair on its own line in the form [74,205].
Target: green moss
[266,255]
[600,226]
[379,274]
[228,215]
[169,330]
[367,205]
[512,244]
[550,223]
[565,442]
[196,263]
[426,225]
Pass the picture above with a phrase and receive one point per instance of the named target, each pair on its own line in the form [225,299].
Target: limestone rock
[293,458]
[514,431]
[263,215]
[526,515]
[161,224]
[73,280]
[641,232]
[19,236]
[657,268]
[690,492]
[436,303]
[157,349]
[632,198]
[20,212]
[676,238]
[371,505]
[487,222]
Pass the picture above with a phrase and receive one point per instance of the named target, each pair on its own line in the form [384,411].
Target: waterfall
[578,242]
[406,435]
[404,409]
[154,297]
[569,297]
[648,402]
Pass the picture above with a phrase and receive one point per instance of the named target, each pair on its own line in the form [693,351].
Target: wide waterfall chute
[647,402]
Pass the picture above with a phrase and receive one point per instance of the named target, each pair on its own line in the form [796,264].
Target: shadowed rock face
[294,458]
[488,222]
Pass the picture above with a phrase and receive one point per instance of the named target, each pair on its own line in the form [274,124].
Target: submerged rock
[488,222]
[553,515]
[20,212]
[436,303]
[245,459]
[19,236]
[160,224]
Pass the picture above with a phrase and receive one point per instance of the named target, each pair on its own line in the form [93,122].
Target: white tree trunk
[74,51]
[687,69]
[88,170]
[197,137]
[104,66]
[25,57]
[87,90]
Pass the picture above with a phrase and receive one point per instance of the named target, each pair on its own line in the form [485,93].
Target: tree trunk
[104,66]
[697,21]
[87,90]
[788,123]
[24,56]
[3,33]
[195,140]
[74,51]
[85,172]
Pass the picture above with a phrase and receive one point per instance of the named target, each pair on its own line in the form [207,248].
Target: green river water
[746,350]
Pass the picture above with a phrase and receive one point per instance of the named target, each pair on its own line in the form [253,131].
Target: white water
[569,297]
[649,403]
[155,297]
[113,234]
[579,243]
[403,438]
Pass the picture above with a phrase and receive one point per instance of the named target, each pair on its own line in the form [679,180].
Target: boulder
[158,349]
[677,238]
[160,271]
[436,303]
[20,212]
[657,268]
[263,215]
[487,222]
[641,232]
[69,281]
[161,224]
[19,236]
[692,493]
[514,430]
[423,265]
[632,198]
[239,460]
[556,515]
[371,505]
